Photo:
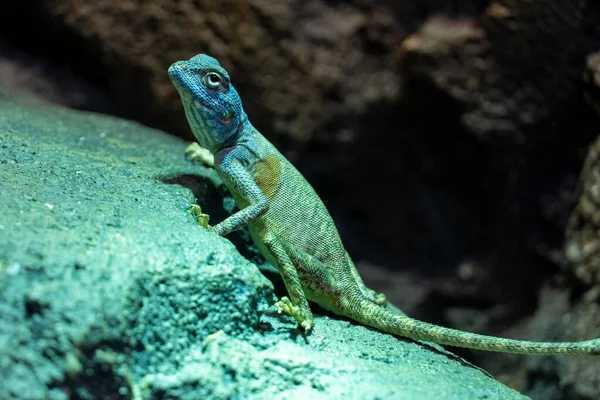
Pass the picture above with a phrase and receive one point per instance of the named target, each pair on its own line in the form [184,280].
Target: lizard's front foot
[285,305]
[199,155]
[201,217]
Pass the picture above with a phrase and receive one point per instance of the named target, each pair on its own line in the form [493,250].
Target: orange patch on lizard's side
[268,175]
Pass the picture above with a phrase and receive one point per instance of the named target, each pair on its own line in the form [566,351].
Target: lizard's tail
[378,317]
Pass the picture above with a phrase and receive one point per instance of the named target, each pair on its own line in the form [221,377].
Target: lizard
[291,226]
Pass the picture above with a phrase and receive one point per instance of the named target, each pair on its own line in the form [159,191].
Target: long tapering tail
[377,317]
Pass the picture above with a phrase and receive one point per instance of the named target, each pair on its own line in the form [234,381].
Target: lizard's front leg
[240,183]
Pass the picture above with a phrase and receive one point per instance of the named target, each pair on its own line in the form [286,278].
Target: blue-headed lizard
[291,226]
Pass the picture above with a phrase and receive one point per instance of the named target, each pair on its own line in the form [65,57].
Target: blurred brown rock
[298,65]
[582,248]
[509,67]
[583,235]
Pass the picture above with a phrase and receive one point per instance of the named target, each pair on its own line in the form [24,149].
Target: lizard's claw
[306,325]
[286,306]
[200,217]
[202,220]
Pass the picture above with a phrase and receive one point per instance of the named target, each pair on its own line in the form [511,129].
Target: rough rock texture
[592,81]
[99,263]
[110,290]
[582,248]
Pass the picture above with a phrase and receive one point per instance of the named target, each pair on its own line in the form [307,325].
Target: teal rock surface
[111,290]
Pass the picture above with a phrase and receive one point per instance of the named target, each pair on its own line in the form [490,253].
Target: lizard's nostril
[177,67]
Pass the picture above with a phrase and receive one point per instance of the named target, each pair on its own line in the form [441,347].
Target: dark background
[446,137]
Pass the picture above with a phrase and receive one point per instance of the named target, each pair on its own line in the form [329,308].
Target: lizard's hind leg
[332,284]
[297,307]
[370,294]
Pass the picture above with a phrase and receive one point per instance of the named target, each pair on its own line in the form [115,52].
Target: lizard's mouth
[201,106]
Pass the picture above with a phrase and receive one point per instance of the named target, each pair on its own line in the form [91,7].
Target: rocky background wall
[446,137]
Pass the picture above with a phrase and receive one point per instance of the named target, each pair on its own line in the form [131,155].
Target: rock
[501,65]
[110,289]
[101,264]
[582,248]
[592,81]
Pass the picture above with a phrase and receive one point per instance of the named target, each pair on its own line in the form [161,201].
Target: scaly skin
[291,226]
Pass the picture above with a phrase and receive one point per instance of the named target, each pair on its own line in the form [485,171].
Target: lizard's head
[212,105]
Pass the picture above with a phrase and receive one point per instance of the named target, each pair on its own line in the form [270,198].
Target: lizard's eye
[212,80]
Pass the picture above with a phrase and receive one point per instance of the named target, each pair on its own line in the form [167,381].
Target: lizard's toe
[200,217]
[286,306]
[307,325]
[380,299]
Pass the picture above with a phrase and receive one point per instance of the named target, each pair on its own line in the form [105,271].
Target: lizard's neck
[244,132]
[250,139]
[246,136]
